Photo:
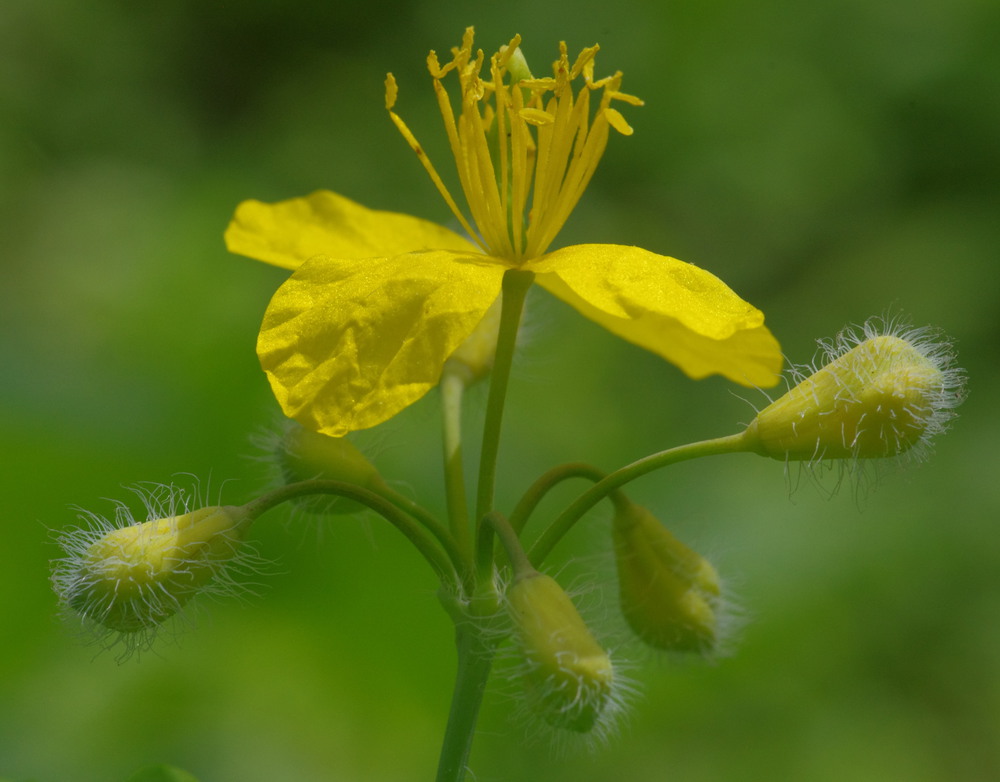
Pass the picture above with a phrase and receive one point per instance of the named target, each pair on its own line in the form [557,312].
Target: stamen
[521,145]
[587,154]
[584,61]
[391,91]
[536,117]
[520,194]
[617,121]
[502,97]
[484,198]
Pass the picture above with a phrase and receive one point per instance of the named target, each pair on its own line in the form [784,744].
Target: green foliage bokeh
[830,161]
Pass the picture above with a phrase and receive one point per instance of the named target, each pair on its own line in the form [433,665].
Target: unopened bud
[305,455]
[133,578]
[568,675]
[669,593]
[877,397]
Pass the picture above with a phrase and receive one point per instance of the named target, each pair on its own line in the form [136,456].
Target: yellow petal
[678,311]
[347,344]
[289,232]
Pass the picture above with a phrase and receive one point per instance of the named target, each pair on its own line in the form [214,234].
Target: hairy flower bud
[304,455]
[669,593]
[878,396]
[568,675]
[130,579]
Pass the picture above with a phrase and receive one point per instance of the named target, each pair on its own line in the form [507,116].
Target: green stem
[476,645]
[475,658]
[430,522]
[441,558]
[544,545]
[534,495]
[452,390]
[494,522]
[515,288]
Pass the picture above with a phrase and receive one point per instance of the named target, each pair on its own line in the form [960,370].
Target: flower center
[524,148]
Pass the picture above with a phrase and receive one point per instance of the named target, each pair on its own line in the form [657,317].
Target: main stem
[515,288]
[475,658]
[476,646]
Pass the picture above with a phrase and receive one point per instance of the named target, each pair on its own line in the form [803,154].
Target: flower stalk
[619,478]
[515,289]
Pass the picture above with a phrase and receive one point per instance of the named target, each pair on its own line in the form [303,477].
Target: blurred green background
[831,161]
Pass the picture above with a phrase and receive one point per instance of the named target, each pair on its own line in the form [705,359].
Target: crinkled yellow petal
[347,344]
[289,232]
[678,311]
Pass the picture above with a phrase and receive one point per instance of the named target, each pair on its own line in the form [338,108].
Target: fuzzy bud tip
[132,578]
[879,395]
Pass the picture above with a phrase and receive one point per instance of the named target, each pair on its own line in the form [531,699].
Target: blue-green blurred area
[830,160]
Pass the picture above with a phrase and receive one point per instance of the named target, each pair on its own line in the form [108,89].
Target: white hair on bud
[840,386]
[78,583]
[934,346]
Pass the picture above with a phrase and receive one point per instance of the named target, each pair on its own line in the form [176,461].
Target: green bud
[877,397]
[669,593]
[133,578]
[305,455]
[568,675]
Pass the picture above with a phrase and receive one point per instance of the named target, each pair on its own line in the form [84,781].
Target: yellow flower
[378,300]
